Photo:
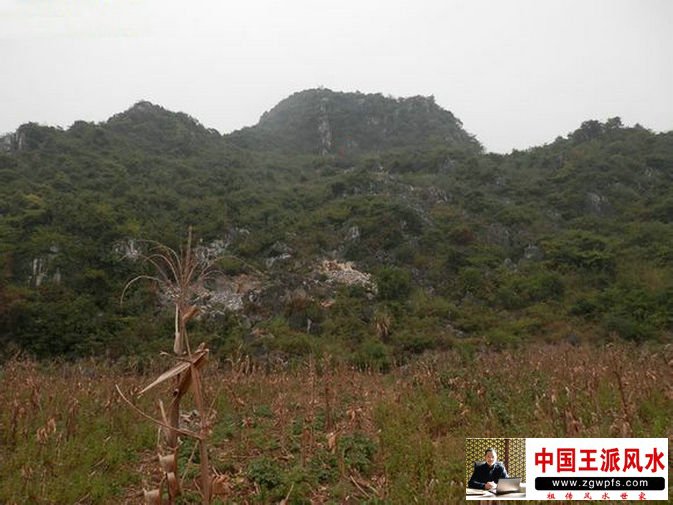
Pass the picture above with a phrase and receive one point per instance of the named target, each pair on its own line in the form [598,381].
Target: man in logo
[487,474]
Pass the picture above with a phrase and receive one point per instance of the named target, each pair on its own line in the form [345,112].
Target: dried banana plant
[181,277]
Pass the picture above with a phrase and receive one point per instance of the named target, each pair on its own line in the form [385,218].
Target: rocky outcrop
[231,293]
[345,273]
[13,142]
[324,129]
[532,253]
[42,269]
[597,203]
[128,249]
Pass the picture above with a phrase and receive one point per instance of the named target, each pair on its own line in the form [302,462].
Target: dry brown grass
[303,433]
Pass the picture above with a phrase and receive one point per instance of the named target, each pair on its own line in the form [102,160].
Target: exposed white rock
[40,268]
[230,293]
[274,259]
[353,233]
[324,129]
[597,203]
[6,142]
[533,253]
[12,141]
[345,273]
[210,252]
[38,271]
[127,249]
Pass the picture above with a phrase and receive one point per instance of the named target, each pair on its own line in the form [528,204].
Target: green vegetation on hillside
[321,121]
[567,241]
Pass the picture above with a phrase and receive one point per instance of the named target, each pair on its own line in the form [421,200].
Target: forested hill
[409,241]
[321,121]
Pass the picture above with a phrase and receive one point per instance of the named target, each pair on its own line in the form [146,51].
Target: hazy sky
[516,72]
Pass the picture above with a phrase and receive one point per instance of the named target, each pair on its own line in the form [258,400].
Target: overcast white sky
[516,72]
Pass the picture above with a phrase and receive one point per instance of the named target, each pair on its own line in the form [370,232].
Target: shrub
[393,283]
[265,472]
[373,354]
[358,451]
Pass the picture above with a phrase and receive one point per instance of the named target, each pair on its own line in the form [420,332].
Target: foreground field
[319,431]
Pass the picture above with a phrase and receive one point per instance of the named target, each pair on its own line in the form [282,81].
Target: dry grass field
[318,431]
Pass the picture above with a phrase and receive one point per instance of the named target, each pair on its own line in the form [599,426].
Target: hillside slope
[375,256]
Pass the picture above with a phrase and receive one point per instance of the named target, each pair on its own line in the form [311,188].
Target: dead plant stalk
[180,277]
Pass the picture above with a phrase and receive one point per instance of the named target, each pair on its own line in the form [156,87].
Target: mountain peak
[144,105]
[155,127]
[324,121]
[145,110]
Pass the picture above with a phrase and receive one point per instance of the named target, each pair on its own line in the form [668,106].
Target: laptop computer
[512,485]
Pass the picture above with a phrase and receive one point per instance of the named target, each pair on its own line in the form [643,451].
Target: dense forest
[364,226]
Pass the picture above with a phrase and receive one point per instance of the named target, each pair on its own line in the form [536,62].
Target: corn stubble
[316,432]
